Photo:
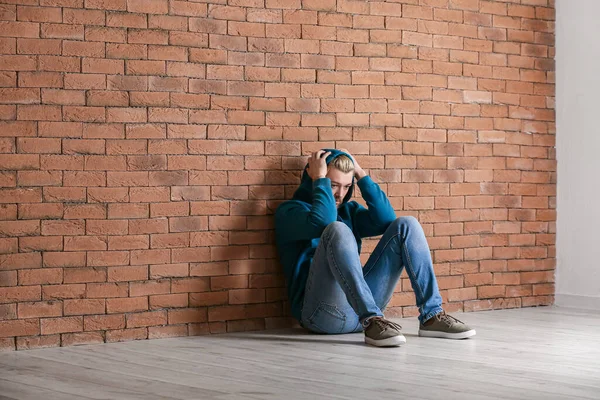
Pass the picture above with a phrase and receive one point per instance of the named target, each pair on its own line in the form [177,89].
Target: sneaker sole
[389,342]
[446,335]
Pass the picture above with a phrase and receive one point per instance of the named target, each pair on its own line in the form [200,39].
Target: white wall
[578,153]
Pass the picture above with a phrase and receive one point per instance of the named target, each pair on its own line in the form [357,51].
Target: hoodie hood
[304,191]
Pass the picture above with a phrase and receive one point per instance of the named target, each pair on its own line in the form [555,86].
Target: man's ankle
[367,321]
[431,319]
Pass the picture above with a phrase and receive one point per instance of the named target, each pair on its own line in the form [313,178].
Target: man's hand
[358,171]
[317,164]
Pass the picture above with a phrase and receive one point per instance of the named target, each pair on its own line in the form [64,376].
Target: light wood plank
[18,391]
[547,352]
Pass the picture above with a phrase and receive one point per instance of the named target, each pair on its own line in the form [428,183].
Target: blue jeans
[341,294]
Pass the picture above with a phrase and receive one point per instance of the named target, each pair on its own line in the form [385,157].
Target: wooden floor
[536,353]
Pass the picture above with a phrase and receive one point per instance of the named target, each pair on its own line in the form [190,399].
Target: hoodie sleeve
[302,222]
[378,215]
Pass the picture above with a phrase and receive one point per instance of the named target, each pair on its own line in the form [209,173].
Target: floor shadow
[298,339]
[300,335]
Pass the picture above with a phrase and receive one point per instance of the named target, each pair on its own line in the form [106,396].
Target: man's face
[340,184]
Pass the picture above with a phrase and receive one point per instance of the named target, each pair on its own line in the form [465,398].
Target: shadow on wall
[249,247]
[281,177]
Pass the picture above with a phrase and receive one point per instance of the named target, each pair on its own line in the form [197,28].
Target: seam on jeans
[323,308]
[342,279]
[309,279]
[386,301]
[409,270]
[409,267]
[381,253]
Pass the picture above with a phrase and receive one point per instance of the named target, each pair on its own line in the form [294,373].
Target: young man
[318,236]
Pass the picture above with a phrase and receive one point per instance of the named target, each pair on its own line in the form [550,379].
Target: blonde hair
[343,163]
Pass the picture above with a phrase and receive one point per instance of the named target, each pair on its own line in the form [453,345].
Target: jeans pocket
[327,318]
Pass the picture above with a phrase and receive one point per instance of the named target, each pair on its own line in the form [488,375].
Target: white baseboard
[576,301]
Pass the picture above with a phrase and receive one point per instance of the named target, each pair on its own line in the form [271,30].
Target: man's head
[340,171]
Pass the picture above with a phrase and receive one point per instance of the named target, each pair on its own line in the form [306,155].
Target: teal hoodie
[299,223]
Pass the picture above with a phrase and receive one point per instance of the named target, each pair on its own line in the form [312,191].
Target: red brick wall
[145,144]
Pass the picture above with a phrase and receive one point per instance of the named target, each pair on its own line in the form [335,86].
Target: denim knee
[407,223]
[338,230]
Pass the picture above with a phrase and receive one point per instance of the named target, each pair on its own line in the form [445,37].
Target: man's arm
[379,213]
[300,222]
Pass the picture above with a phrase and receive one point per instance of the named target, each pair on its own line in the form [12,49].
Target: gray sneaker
[445,326]
[383,333]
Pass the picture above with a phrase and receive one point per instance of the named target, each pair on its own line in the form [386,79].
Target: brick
[167,331]
[20,293]
[19,29]
[132,304]
[126,19]
[208,299]
[19,96]
[169,301]
[150,6]
[38,276]
[7,112]
[209,269]
[146,319]
[129,242]
[84,275]
[146,288]
[73,227]
[123,114]
[7,246]
[74,339]
[84,114]
[37,342]
[61,325]
[189,315]
[23,327]
[122,335]
[453,83]
[69,291]
[191,285]
[127,273]
[142,194]
[40,309]
[107,4]
[229,103]
[150,256]
[188,100]
[103,322]
[116,211]
[105,34]
[126,51]
[84,306]
[101,290]
[63,97]
[23,194]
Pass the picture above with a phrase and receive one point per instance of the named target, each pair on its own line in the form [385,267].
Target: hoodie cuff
[321,182]
[364,182]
